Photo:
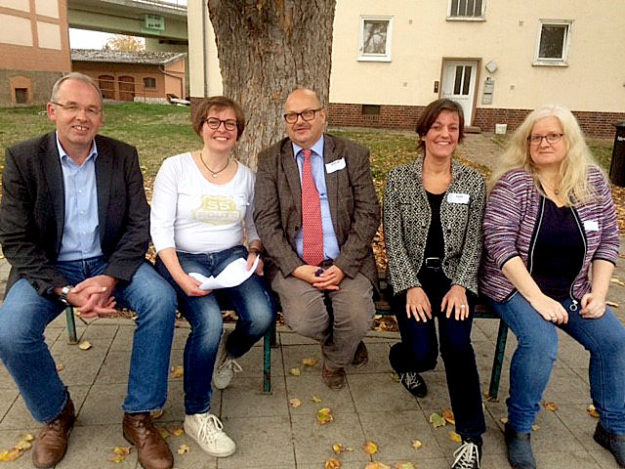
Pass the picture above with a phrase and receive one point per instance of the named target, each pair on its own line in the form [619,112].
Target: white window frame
[371,57]
[479,17]
[557,61]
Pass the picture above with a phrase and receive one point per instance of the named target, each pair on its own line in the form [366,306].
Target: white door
[459,84]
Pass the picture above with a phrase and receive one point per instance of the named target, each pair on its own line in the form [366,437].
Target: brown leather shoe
[51,442]
[153,451]
[334,379]
[361,357]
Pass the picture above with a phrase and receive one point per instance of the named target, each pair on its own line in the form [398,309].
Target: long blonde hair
[573,171]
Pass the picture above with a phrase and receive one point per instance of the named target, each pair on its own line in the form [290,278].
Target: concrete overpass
[156,20]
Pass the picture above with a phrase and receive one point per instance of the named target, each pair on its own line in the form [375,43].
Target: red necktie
[311,215]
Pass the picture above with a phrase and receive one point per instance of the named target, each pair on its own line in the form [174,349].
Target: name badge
[335,165]
[591,225]
[457,198]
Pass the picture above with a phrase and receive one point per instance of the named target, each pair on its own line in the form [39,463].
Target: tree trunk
[266,49]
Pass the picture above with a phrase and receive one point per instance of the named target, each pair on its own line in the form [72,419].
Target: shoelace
[210,427]
[411,381]
[232,364]
[467,456]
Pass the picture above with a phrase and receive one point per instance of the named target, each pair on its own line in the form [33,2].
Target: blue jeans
[250,300]
[536,352]
[418,352]
[25,315]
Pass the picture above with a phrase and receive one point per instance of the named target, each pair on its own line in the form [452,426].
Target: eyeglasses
[307,115]
[214,123]
[72,108]
[538,139]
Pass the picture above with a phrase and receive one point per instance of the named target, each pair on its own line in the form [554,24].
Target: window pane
[454,8]
[374,37]
[470,7]
[458,79]
[478,8]
[467,79]
[462,11]
[552,41]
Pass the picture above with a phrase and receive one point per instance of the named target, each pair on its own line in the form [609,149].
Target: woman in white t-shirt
[201,214]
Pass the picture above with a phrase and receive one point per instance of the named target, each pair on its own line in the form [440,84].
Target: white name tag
[457,198]
[591,225]
[335,165]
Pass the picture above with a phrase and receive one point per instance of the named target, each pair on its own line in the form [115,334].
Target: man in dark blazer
[346,274]
[74,224]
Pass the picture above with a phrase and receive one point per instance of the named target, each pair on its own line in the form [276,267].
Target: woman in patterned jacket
[433,211]
[549,219]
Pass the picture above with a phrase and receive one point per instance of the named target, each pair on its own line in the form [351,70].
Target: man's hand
[330,279]
[98,292]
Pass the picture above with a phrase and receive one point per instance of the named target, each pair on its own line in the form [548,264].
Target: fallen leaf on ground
[10,455]
[309,361]
[332,464]
[618,281]
[324,416]
[122,450]
[416,444]
[164,432]
[592,411]
[448,415]
[535,427]
[117,459]
[437,421]
[27,437]
[23,445]
[338,448]
[295,371]
[404,465]
[486,394]
[177,431]
[370,447]
[394,377]
[157,414]
[176,372]
[295,402]
[613,304]
[86,345]
[316,399]
[60,367]
[503,420]
[377,465]
[551,406]
[182,449]
[453,436]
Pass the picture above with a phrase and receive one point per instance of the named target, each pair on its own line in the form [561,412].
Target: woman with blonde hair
[549,222]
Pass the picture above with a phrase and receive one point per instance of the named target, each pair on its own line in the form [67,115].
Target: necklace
[554,189]
[213,173]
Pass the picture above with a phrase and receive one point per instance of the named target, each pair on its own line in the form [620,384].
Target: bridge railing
[176,4]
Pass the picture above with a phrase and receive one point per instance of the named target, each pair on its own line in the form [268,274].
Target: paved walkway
[270,433]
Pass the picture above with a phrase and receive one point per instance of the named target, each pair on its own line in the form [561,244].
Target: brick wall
[595,124]
[41,85]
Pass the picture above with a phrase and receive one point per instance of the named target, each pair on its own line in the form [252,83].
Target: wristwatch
[64,292]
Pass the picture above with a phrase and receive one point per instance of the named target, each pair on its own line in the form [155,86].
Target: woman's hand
[418,304]
[550,309]
[593,306]
[190,286]
[456,301]
[251,258]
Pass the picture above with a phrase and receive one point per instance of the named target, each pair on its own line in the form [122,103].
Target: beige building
[34,49]
[499,59]
[147,76]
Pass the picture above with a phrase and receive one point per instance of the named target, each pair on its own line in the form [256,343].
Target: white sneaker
[207,430]
[225,371]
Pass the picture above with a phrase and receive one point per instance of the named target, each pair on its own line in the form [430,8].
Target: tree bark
[266,49]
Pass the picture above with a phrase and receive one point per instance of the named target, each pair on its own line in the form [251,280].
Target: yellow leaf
[618,281]
[377,465]
[309,361]
[416,444]
[60,367]
[295,402]
[370,447]
[27,437]
[453,436]
[448,415]
[295,371]
[164,432]
[535,427]
[23,445]
[316,399]
[503,420]
[177,431]
[157,414]
[10,455]
[332,464]
[85,345]
[592,411]
[612,304]
[404,465]
[182,449]
[394,377]
[117,459]
[551,406]
[122,450]
[486,394]
[338,448]
[176,372]
[324,416]
[437,421]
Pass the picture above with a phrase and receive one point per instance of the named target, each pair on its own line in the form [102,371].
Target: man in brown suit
[330,301]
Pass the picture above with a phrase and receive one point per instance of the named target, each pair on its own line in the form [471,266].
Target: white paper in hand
[234,274]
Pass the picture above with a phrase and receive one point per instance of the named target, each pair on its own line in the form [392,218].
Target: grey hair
[74,76]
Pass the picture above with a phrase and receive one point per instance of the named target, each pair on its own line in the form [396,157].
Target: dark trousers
[418,351]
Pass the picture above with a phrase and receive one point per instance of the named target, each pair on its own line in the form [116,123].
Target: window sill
[373,59]
[470,19]
[541,63]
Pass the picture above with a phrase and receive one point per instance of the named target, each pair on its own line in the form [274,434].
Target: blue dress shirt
[81,234]
[330,244]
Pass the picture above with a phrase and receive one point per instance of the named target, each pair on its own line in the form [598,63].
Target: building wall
[34,48]
[175,78]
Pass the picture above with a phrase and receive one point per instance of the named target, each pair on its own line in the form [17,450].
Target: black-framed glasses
[551,138]
[307,115]
[214,123]
[73,108]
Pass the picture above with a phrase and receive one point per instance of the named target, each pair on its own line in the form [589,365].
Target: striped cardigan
[513,213]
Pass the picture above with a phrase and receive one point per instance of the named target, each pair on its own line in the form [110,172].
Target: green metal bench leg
[273,340]
[267,358]
[72,338]
[500,350]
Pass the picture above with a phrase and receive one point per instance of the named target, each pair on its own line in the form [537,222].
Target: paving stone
[7,398]
[252,363]
[80,367]
[6,380]
[174,411]
[379,392]
[305,387]
[378,360]
[103,404]
[100,330]
[115,369]
[244,398]
[287,337]
[8,439]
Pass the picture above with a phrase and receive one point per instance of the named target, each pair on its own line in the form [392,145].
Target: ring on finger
[463,306]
